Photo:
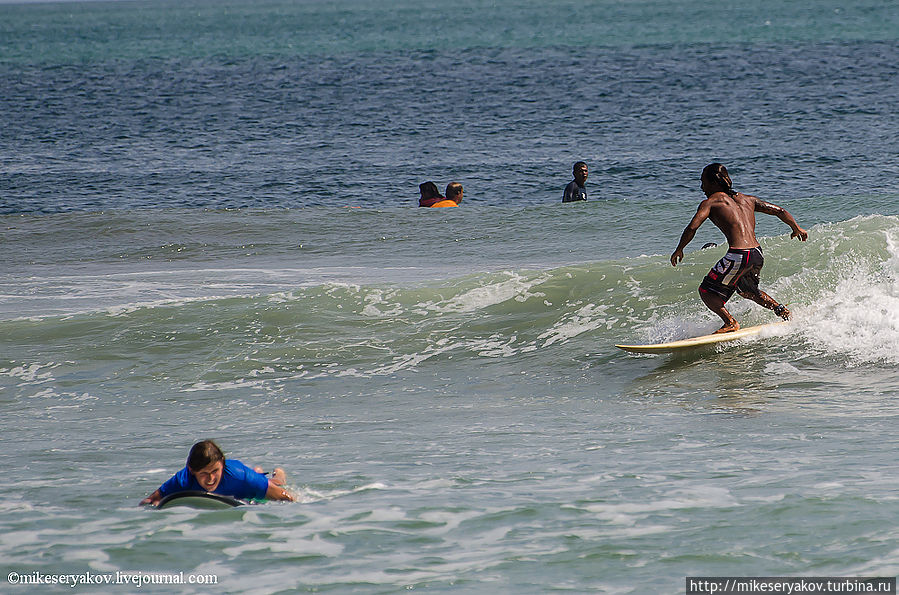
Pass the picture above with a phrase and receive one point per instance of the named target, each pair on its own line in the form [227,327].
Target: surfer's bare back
[734,214]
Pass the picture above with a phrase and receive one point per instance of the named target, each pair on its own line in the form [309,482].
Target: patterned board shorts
[738,270]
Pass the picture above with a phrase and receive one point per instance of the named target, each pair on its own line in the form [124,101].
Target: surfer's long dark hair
[717,173]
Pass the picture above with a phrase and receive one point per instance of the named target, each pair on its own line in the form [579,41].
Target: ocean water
[209,231]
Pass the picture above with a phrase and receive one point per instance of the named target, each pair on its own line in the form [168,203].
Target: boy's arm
[153,499]
[276,492]
[702,213]
[173,484]
[276,489]
[782,214]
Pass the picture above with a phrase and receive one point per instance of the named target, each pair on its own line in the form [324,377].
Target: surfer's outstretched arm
[153,499]
[702,213]
[686,238]
[784,215]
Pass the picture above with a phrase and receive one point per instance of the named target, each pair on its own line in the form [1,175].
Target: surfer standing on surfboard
[734,214]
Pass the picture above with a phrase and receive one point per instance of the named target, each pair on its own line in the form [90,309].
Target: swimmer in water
[454,193]
[576,189]
[430,195]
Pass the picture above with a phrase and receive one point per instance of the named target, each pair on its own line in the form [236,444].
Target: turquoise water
[209,231]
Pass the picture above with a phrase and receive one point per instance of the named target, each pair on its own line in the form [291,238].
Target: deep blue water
[124,106]
[209,230]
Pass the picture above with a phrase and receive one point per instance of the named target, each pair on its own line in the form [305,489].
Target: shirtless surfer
[734,214]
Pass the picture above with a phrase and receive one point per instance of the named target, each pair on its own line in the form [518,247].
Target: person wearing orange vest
[453,196]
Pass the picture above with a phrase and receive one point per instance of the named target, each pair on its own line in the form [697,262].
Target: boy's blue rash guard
[238,481]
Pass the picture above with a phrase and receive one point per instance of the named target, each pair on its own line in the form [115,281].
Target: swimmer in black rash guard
[576,190]
[734,214]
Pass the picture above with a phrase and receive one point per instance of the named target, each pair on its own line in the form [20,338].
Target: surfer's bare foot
[729,327]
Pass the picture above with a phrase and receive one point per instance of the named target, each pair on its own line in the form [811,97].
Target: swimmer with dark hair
[430,195]
[738,271]
[207,470]
[576,189]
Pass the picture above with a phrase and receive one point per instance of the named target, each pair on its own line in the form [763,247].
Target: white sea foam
[859,318]
[698,497]
[375,302]
[516,287]
[231,384]
[584,319]
[783,368]
[32,373]
[293,545]
[306,494]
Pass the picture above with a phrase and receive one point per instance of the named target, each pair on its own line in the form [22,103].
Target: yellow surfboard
[699,341]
